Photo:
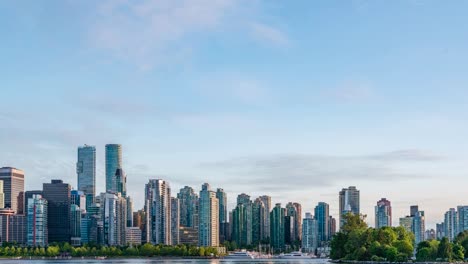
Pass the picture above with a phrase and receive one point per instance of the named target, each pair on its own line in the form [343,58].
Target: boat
[243,254]
[294,255]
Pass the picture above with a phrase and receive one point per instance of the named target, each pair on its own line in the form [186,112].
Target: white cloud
[153,32]
[269,34]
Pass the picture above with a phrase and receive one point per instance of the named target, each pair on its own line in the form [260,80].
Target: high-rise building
[158,193]
[440,231]
[12,226]
[222,201]
[289,223]
[2,195]
[451,224]
[139,219]
[332,228]
[407,223]
[309,234]
[13,188]
[86,172]
[208,228]
[383,213]
[462,218]
[322,216]
[121,181]
[37,227]
[175,221]
[188,207]
[129,211]
[242,221]
[27,195]
[78,198]
[75,224]
[414,210]
[277,228]
[93,224]
[258,221]
[113,162]
[419,227]
[267,203]
[430,234]
[294,210]
[349,202]
[188,235]
[114,218]
[58,196]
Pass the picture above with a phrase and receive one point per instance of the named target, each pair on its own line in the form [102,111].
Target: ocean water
[168,261]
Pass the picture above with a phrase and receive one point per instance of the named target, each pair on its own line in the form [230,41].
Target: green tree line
[357,241]
[443,250]
[146,250]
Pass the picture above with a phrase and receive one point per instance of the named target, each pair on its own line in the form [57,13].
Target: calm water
[169,261]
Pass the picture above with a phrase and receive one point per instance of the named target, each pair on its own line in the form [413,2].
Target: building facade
[208,228]
[277,235]
[188,207]
[451,224]
[113,162]
[267,203]
[86,172]
[37,226]
[419,227]
[133,236]
[322,217]
[383,213]
[58,196]
[13,188]
[158,194]
[310,234]
[175,221]
[349,199]
[222,201]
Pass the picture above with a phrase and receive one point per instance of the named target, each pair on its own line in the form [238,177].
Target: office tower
[383,213]
[277,228]
[175,221]
[462,218]
[349,202]
[158,193]
[258,221]
[332,227]
[430,234]
[12,227]
[451,224]
[242,221]
[440,231]
[114,217]
[407,223]
[133,236]
[309,234]
[139,219]
[294,210]
[208,228]
[27,195]
[222,201]
[94,226]
[37,227]
[113,162]
[75,224]
[13,188]
[2,195]
[58,196]
[267,203]
[129,211]
[188,200]
[322,216]
[414,210]
[121,182]
[289,226]
[419,227]
[86,172]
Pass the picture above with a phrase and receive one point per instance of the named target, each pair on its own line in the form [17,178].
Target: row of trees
[147,250]
[356,241]
[443,250]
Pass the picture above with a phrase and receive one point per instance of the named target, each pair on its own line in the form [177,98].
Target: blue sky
[291,99]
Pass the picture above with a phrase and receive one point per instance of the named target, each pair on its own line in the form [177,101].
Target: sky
[293,99]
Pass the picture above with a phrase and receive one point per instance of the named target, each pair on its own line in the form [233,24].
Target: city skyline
[295,101]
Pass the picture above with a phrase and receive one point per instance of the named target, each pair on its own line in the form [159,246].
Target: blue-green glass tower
[113,162]
[86,172]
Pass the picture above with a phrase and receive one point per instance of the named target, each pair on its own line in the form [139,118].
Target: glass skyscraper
[322,215]
[58,196]
[13,188]
[86,172]
[113,162]
[349,202]
[37,231]
[383,213]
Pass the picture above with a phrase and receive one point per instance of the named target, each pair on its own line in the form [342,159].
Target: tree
[444,251]
[353,222]
[458,252]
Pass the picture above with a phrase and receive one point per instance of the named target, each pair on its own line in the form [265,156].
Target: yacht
[294,255]
[239,255]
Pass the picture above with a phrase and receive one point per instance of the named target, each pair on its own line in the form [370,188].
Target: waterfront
[168,261]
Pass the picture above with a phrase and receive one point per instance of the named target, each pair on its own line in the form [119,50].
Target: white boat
[294,255]
[239,255]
